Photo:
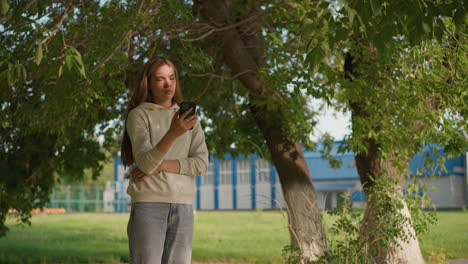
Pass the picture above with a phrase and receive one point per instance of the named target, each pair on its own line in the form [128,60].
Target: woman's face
[163,85]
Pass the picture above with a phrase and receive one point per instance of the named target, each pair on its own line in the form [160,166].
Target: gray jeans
[160,233]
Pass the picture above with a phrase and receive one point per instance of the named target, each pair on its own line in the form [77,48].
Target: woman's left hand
[137,174]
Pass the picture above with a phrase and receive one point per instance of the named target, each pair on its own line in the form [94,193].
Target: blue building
[249,183]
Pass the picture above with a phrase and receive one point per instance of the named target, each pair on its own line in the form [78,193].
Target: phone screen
[184,106]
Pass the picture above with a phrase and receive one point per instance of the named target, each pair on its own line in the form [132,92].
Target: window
[208,177]
[225,172]
[243,171]
[263,171]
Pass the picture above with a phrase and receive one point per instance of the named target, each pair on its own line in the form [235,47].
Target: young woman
[167,155]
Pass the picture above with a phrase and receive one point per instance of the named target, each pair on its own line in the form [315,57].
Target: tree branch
[214,29]
[59,24]
[222,77]
[7,134]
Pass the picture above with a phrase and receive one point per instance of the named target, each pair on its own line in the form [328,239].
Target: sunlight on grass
[229,236]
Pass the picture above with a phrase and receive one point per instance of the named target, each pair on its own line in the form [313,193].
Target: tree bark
[305,220]
[370,166]
[403,251]
[242,51]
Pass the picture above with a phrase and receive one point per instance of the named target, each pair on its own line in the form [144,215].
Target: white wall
[446,192]
[225,196]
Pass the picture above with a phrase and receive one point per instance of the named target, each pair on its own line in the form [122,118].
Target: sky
[335,123]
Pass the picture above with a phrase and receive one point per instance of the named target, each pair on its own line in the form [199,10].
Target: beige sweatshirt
[146,125]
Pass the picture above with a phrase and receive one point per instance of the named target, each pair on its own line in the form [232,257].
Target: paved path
[450,261]
[195,262]
[458,261]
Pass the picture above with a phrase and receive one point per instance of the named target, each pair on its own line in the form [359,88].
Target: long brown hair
[142,93]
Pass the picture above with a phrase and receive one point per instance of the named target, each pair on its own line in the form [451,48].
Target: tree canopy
[67,69]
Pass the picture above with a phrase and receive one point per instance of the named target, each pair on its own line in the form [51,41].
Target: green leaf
[69,61]
[275,37]
[459,17]
[4,6]
[307,26]
[79,65]
[426,27]
[3,61]
[60,71]
[376,6]
[314,58]
[308,22]
[10,78]
[341,34]
[78,61]
[439,29]
[39,54]
[351,14]
[25,74]
[19,70]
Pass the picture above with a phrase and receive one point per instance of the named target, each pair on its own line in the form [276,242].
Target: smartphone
[184,106]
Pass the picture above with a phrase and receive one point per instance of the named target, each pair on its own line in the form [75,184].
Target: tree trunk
[370,166]
[402,251]
[305,220]
[408,252]
[243,53]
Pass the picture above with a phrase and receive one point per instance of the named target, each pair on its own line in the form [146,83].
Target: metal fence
[77,198]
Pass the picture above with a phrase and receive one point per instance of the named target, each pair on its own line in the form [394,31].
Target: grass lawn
[250,236]
[449,236]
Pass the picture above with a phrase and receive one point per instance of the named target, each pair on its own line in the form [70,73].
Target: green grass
[67,238]
[240,236]
[448,236]
[256,237]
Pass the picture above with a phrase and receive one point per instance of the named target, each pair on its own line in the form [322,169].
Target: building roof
[320,168]
[453,166]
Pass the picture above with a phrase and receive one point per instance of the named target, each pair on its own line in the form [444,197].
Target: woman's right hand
[180,125]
